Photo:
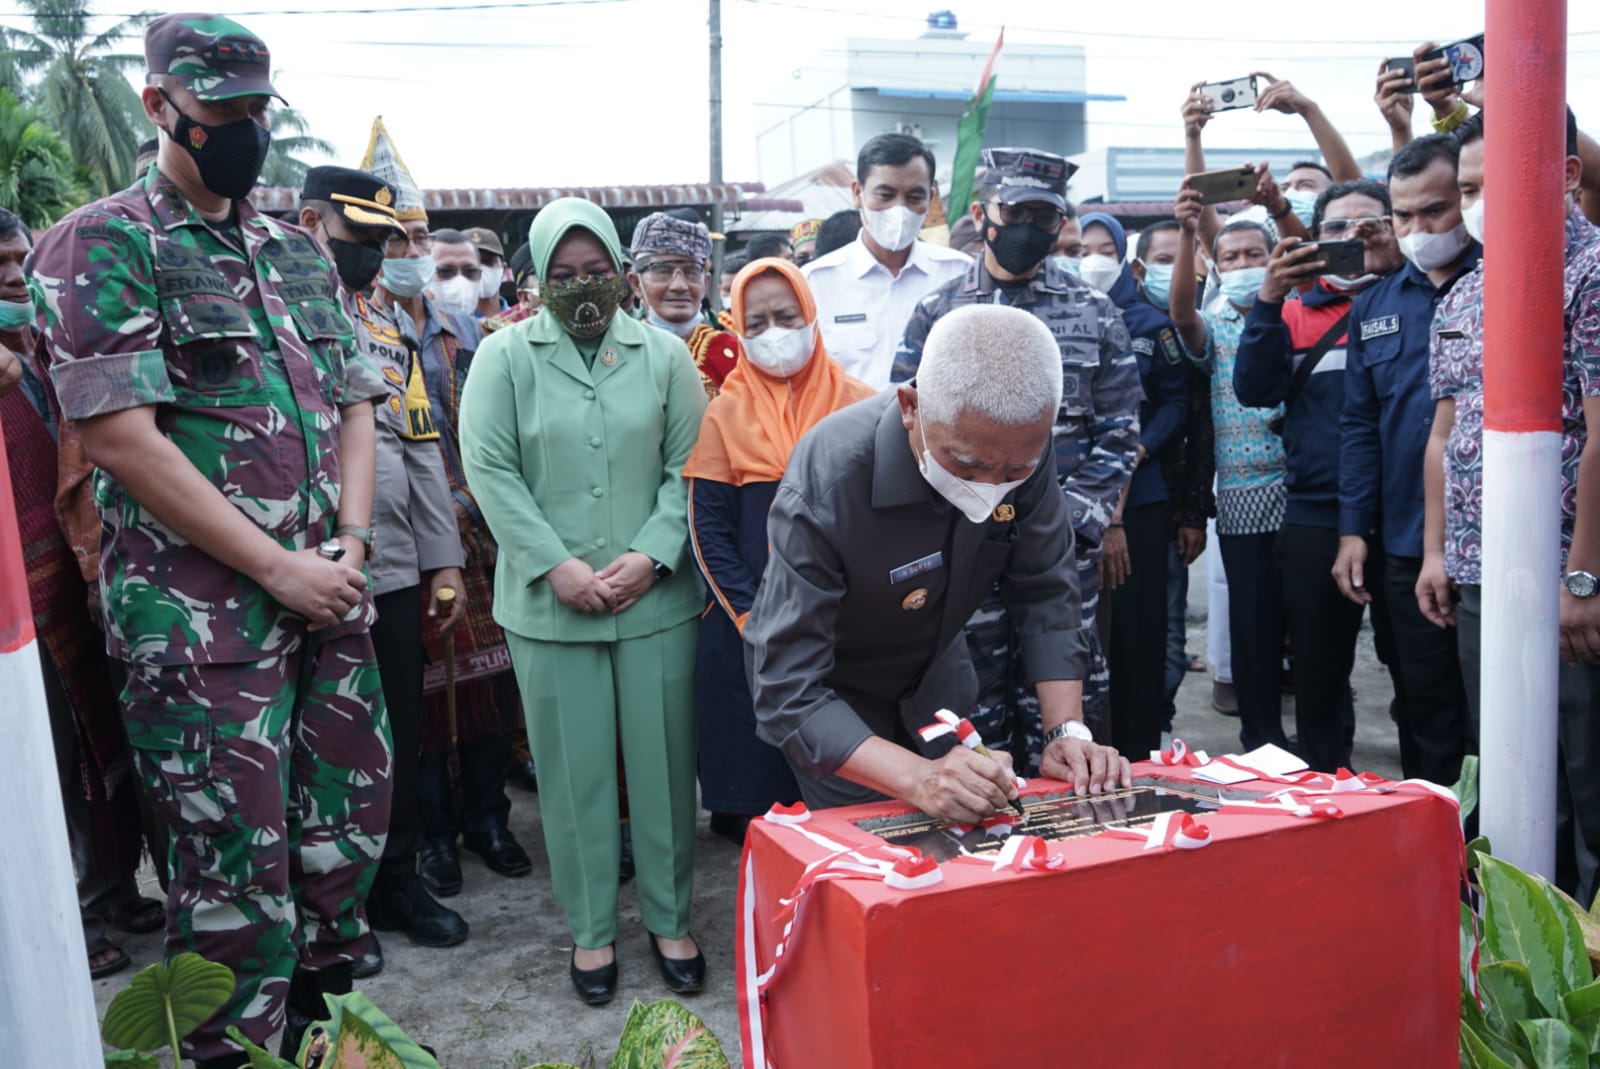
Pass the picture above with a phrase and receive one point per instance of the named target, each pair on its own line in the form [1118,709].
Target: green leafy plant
[662,1035]
[162,1004]
[356,1035]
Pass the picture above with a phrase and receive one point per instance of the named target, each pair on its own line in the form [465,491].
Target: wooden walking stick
[443,599]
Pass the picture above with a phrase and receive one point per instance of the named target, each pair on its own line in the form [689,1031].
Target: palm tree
[37,179]
[83,89]
[290,141]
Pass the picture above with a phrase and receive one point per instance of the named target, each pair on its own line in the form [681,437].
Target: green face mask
[14,314]
[583,306]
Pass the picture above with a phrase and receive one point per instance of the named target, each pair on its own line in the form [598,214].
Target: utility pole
[716,152]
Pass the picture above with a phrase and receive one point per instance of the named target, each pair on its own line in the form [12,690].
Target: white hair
[998,362]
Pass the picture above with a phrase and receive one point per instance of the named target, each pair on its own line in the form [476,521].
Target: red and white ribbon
[1170,831]
[1028,853]
[1179,754]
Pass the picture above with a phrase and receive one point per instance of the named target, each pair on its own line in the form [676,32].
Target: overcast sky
[568,92]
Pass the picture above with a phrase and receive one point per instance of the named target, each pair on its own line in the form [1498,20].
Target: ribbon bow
[1180,754]
[1171,831]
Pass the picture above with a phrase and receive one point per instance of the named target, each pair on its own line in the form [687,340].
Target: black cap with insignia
[363,199]
[1027,174]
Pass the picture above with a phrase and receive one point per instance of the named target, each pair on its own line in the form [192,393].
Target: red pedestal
[1299,943]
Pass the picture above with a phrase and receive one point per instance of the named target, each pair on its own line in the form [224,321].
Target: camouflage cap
[362,198]
[1027,174]
[660,234]
[213,57]
[485,240]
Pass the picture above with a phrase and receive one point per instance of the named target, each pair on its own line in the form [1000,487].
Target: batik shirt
[235,334]
[1250,461]
[1455,369]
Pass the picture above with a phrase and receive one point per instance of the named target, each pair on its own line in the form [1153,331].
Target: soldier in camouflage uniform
[1022,201]
[202,351]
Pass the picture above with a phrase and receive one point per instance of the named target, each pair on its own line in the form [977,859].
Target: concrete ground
[502,999]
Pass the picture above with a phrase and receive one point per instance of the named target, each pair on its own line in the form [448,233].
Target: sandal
[1197,664]
[137,915]
[114,964]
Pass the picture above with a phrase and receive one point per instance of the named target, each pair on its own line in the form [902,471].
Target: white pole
[47,1013]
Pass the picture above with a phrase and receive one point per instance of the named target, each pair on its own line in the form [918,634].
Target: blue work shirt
[1388,407]
[1164,375]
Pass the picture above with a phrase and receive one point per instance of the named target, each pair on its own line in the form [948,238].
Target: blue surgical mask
[1241,284]
[1304,205]
[14,314]
[1072,265]
[407,277]
[1158,283]
[682,330]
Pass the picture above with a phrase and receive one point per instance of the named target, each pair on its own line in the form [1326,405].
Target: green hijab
[560,216]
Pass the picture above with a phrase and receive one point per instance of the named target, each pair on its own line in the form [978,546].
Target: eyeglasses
[666,272]
[1333,228]
[396,245]
[1043,216]
[444,274]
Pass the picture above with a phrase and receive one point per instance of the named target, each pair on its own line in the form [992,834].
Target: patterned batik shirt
[235,334]
[1455,369]
[1250,464]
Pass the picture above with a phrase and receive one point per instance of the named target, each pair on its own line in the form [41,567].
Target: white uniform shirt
[862,309]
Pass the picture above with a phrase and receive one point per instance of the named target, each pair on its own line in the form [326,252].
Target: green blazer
[568,461]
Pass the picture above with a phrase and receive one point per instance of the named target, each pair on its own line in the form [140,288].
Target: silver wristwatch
[1069,729]
[1581,584]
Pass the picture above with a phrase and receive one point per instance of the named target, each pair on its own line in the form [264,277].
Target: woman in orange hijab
[784,383]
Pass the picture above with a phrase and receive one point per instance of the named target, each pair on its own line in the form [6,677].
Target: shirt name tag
[916,568]
[1377,328]
[855,317]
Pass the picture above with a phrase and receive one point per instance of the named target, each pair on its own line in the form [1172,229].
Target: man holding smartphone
[1388,411]
[1293,353]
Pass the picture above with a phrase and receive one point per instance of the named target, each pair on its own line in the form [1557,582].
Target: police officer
[413,520]
[202,350]
[1021,205]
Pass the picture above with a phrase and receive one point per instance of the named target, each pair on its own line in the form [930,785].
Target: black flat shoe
[499,850]
[439,865]
[371,963]
[595,986]
[683,976]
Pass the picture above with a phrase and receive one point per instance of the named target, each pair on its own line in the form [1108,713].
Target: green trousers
[581,699]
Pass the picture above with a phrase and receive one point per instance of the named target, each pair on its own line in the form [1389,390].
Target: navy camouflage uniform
[1096,437]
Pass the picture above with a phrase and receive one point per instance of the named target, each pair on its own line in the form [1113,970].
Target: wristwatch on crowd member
[1069,729]
[1581,584]
[364,535]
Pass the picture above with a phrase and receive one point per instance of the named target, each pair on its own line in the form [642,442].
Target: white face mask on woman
[974,500]
[782,351]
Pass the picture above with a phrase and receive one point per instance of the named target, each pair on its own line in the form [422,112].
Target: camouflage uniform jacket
[240,343]
[1097,430]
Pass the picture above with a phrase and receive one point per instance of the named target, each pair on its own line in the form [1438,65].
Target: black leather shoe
[439,865]
[625,870]
[595,986]
[499,850]
[683,976]
[522,775]
[370,963]
[305,1005]
[731,826]
[406,906]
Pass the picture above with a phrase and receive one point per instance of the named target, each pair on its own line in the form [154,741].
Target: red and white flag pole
[47,1014]
[1525,136]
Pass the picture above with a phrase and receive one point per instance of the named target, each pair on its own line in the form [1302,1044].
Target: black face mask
[1018,248]
[228,156]
[358,262]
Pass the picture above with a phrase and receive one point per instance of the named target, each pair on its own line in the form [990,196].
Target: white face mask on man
[489,282]
[457,293]
[894,228]
[1433,251]
[974,500]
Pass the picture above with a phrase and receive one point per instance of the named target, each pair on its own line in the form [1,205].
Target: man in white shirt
[866,291]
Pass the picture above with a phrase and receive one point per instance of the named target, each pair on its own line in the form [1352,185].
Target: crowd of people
[334,527]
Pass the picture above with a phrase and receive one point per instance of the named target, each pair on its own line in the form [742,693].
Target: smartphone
[1225,96]
[1466,59]
[1220,187]
[1342,257]
[1409,65]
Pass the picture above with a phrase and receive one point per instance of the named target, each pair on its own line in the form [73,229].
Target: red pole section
[16,615]
[1524,150]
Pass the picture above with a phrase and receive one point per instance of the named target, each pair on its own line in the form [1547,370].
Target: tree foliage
[37,178]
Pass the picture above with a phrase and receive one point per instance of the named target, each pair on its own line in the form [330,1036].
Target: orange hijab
[751,427]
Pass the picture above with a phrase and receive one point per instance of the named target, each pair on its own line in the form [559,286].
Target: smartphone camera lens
[1227,96]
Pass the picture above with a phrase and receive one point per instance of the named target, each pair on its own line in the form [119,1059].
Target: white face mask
[457,294]
[782,351]
[1433,251]
[1472,219]
[1099,271]
[489,284]
[976,501]
[894,228]
[682,330]
[1340,284]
